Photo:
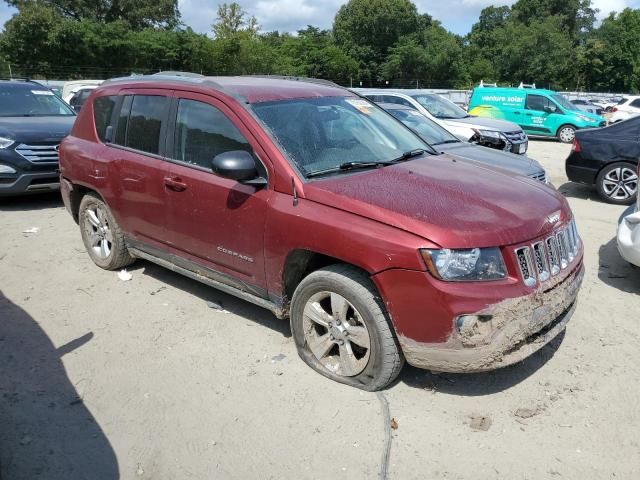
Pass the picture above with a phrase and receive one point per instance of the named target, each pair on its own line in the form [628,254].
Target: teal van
[539,112]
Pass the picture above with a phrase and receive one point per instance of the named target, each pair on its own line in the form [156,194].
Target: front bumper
[519,147]
[517,327]
[629,236]
[29,183]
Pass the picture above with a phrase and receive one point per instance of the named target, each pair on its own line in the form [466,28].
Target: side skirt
[203,275]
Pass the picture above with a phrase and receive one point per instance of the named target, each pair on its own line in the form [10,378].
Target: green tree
[232,19]
[137,13]
[367,29]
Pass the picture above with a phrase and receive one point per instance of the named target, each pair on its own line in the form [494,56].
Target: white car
[70,88]
[627,108]
[629,233]
[487,132]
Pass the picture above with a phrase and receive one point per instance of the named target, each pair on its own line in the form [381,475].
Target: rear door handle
[175,183]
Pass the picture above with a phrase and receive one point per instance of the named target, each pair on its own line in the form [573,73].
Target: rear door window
[202,132]
[636,103]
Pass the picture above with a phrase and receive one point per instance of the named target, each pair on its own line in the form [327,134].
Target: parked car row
[488,132]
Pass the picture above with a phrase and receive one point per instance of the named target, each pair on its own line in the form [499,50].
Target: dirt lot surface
[104,379]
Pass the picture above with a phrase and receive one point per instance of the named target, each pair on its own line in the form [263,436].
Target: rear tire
[341,329]
[566,133]
[617,183]
[101,235]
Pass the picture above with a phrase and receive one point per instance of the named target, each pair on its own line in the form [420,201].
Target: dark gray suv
[33,122]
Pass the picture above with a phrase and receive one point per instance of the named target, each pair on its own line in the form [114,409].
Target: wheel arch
[300,263]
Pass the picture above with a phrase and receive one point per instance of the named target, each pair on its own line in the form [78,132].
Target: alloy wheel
[336,334]
[620,183]
[100,236]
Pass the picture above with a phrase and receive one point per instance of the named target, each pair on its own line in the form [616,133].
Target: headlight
[488,133]
[6,169]
[587,119]
[468,265]
[6,142]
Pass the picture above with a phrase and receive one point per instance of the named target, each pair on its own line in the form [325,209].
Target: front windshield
[564,103]
[323,133]
[428,130]
[36,102]
[440,107]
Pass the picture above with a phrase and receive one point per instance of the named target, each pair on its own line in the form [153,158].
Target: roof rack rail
[174,73]
[527,85]
[482,84]
[318,81]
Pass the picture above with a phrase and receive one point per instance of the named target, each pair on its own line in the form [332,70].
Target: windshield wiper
[447,141]
[357,165]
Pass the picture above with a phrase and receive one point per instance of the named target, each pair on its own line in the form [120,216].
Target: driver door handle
[175,183]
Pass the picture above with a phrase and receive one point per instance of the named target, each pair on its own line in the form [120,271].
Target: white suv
[487,132]
[627,108]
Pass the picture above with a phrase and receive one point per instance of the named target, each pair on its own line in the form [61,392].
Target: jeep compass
[306,199]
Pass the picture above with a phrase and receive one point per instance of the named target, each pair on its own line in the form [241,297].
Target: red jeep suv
[307,199]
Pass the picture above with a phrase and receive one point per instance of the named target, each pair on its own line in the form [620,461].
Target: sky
[291,15]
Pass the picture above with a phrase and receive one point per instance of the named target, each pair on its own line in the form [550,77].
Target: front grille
[39,153]
[547,258]
[515,137]
[540,176]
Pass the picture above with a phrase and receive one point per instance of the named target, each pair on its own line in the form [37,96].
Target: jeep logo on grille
[554,218]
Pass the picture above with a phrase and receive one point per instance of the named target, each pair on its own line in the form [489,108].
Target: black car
[33,121]
[607,158]
[445,141]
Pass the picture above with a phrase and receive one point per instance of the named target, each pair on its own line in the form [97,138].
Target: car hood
[483,122]
[451,202]
[518,164]
[36,129]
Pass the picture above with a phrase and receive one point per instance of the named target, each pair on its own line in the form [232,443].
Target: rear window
[102,112]
[140,122]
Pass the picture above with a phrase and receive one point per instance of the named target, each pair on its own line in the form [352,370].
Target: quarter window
[202,132]
[636,103]
[145,122]
[102,112]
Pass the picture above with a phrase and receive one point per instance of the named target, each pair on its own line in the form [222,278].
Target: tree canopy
[555,43]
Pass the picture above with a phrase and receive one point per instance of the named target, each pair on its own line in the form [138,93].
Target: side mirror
[550,108]
[237,165]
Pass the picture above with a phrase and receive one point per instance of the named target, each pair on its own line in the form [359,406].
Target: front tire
[341,329]
[101,235]
[618,183]
[566,133]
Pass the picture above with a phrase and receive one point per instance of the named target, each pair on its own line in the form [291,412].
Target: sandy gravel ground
[105,379]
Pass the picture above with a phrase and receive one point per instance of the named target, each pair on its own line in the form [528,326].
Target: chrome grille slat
[38,153]
[562,249]
[523,255]
[554,256]
[542,264]
[541,260]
